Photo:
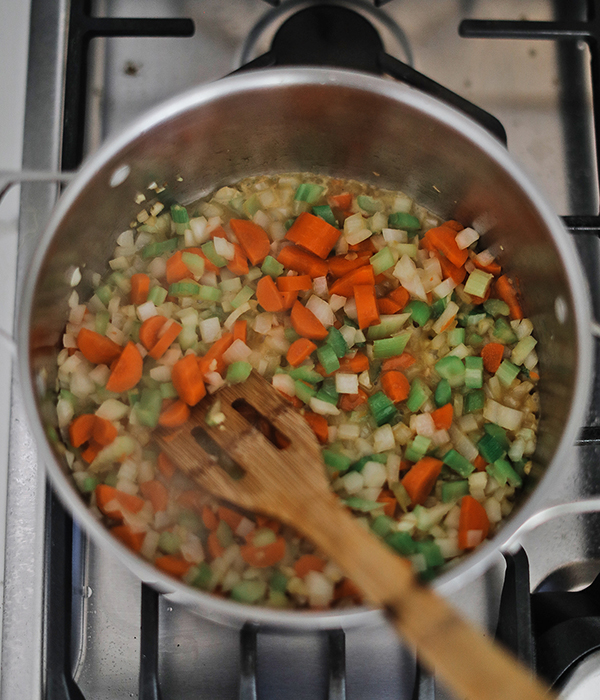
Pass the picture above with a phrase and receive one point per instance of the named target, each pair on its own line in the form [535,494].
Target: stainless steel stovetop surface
[521,83]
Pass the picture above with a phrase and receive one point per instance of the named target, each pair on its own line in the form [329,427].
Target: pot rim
[227,611]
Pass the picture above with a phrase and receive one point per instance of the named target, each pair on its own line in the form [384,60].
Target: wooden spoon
[291,485]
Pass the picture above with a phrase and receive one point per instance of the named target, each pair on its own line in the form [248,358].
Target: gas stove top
[76,624]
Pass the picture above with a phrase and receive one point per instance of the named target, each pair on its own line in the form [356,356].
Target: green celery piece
[238,372]
[443,393]
[232,285]
[278,581]
[304,392]
[475,316]
[402,542]
[335,461]
[382,525]
[179,214]
[369,204]
[111,479]
[390,325]
[306,374]
[251,591]
[193,262]
[503,332]
[153,250]
[204,577]
[460,464]
[496,307]
[419,393]
[308,192]
[327,392]
[504,474]
[417,449]
[382,260]
[158,294]
[209,250]
[169,542]
[104,293]
[208,293]
[251,205]
[507,373]
[499,434]
[382,408]
[420,312]
[452,369]
[187,338]
[438,307]
[390,347]
[360,463]
[168,391]
[325,213]
[474,339]
[272,267]
[522,349]
[101,322]
[406,222]
[336,341]
[88,485]
[288,224]
[68,396]
[291,335]
[191,521]
[431,551]
[224,534]
[456,336]
[473,372]
[328,358]
[184,289]
[148,408]
[454,490]
[490,449]
[474,401]
[361,504]
[245,294]
[478,282]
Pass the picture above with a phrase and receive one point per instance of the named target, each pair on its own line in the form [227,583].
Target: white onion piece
[466,237]
[146,311]
[346,383]
[263,323]
[321,310]
[210,329]
[224,248]
[383,440]
[406,272]
[285,383]
[324,408]
[238,351]
[320,286]
[112,410]
[336,302]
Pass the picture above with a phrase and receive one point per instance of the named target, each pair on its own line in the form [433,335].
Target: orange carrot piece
[357,364]
[131,539]
[395,385]
[215,548]
[458,274]
[306,324]
[177,270]
[319,426]
[308,562]
[443,238]
[346,284]
[127,370]
[313,234]
[421,478]
[140,286]
[348,402]
[239,264]
[165,466]
[97,348]
[91,451]
[294,400]
[366,246]
[340,201]
[492,354]
[340,265]
[366,305]
[166,339]
[240,330]
[209,266]
[81,429]
[492,268]
[387,306]
[294,283]
[174,415]
[271,523]
[400,296]
[121,500]
[389,502]
[268,296]
[299,350]
[506,290]
[170,564]
[346,588]
[454,225]
[289,299]
[104,431]
[302,261]
[262,557]
[403,361]
[156,493]
[442,416]
[209,518]
[231,517]
[188,380]
[473,523]
[479,463]
[253,239]
[215,353]
[150,329]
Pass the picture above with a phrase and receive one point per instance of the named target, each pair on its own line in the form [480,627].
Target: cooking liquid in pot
[404,348]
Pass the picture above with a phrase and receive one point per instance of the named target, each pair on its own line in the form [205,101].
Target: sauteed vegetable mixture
[397,337]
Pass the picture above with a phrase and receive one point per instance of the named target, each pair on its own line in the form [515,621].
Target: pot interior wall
[330,129]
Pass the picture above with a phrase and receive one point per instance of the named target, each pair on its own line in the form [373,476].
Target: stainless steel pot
[338,123]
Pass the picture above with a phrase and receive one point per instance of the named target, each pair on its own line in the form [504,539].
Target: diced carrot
[442,416]
[400,295]
[166,339]
[97,348]
[294,400]
[215,353]
[366,246]
[480,300]
[191,500]
[458,274]
[357,364]
[346,588]
[506,290]
[127,370]
[319,426]
[421,478]
[306,324]
[231,517]
[253,239]
[188,380]
[215,548]
[345,285]
[294,283]
[387,306]
[174,415]
[165,466]
[454,225]
[479,463]
[121,500]
[299,350]
[177,270]
[313,234]
[271,523]
[302,261]
[492,354]
[81,429]
[239,264]
[104,431]
[403,361]
[348,402]
[140,286]
[131,539]
[389,502]
[91,452]
[443,238]
[149,330]
[533,375]
[268,296]
[289,299]
[218,232]
[395,385]
[308,562]
[170,564]
[492,268]
[209,518]
[340,201]
[340,265]
[240,330]
[209,266]
[262,557]
[473,523]
[366,305]
[156,493]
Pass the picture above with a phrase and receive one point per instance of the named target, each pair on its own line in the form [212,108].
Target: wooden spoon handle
[472,665]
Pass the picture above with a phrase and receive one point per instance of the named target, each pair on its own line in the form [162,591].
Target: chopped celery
[473,372]
[148,407]
[474,316]
[336,341]
[431,551]
[504,474]
[251,205]
[278,581]
[360,463]
[474,401]
[474,339]
[167,389]
[271,267]
[169,542]
[251,591]
[232,285]
[158,294]
[88,485]
[382,408]
[382,525]
[456,336]
[244,295]
[104,293]
[443,393]
[478,283]
[187,338]
[324,211]
[506,373]
[308,192]
[335,461]
[382,261]
[389,325]
[361,504]
[499,434]
[402,542]
[290,335]
[208,293]
[454,490]
[209,250]
[101,322]
[503,332]
[327,392]
[490,449]
[460,464]
[406,222]
[184,289]
[238,372]
[417,449]
[419,393]
[203,578]
[153,250]
[522,349]
[328,358]
[193,262]
[496,307]
[439,306]
[224,534]
[179,214]
[306,374]
[419,312]
[304,392]
[390,347]
[288,224]
[369,204]
[452,369]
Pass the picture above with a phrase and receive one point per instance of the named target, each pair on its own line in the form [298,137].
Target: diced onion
[324,408]
[224,248]
[238,351]
[466,237]
[146,311]
[321,310]
[383,439]
[210,329]
[346,383]
[285,383]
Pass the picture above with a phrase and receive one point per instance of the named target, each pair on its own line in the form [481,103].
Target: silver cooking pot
[338,123]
